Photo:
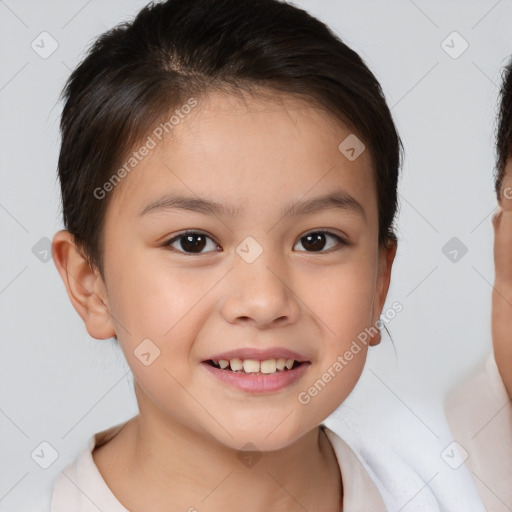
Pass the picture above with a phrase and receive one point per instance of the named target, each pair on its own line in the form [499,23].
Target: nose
[260,293]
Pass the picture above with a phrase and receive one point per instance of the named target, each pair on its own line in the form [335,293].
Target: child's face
[253,281]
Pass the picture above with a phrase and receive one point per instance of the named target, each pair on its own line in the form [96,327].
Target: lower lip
[252,383]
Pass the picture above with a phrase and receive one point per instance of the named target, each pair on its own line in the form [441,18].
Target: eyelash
[341,242]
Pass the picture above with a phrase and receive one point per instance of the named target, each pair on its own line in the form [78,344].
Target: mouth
[255,366]
[257,373]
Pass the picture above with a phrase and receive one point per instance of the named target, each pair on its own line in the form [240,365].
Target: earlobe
[84,286]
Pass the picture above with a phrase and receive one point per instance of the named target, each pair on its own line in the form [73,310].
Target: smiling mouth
[256,367]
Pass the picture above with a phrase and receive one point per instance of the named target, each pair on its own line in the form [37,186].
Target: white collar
[80,487]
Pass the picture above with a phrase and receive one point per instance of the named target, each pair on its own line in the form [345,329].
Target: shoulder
[359,490]
[480,404]
[79,487]
[67,487]
[479,413]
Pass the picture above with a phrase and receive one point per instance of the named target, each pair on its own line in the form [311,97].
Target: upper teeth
[255,366]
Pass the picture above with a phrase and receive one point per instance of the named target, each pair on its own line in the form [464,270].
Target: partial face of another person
[502,291]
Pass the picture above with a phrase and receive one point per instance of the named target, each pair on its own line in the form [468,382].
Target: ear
[386,257]
[84,285]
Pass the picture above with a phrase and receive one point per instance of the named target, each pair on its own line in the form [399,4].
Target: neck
[163,464]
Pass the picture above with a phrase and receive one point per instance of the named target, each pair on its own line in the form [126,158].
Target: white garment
[380,472]
[81,488]
[480,416]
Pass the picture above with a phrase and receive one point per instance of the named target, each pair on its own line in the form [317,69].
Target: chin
[262,436]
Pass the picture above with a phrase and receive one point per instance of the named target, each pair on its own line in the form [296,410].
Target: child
[480,411]
[229,185]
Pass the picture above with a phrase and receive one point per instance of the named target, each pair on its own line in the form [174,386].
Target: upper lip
[259,354]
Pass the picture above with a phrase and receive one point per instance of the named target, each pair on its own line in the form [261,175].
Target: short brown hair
[139,71]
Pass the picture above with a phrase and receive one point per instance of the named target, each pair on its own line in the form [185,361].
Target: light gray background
[59,385]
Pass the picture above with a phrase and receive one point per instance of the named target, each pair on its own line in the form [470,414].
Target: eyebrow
[338,200]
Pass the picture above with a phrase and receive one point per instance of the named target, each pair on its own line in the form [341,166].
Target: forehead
[247,150]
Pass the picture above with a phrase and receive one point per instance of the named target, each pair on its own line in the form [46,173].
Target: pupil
[318,241]
[188,245]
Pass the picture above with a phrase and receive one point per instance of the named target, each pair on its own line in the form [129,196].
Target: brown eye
[190,242]
[316,241]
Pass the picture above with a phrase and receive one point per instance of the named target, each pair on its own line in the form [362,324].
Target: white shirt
[480,415]
[80,486]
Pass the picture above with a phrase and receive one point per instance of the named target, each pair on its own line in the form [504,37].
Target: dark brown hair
[139,71]
[504,127]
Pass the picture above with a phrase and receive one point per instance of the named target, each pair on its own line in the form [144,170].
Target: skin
[502,291]
[259,156]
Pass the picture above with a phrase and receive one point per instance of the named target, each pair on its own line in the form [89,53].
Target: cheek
[152,301]
[162,311]
[342,299]
[151,297]
[343,305]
